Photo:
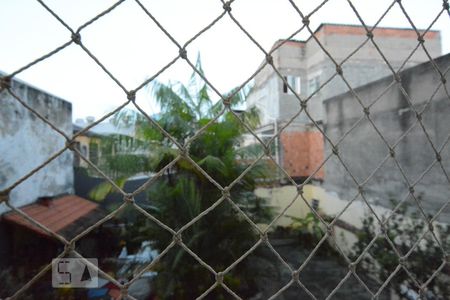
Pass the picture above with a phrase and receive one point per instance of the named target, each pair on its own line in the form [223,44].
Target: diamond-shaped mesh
[365,105]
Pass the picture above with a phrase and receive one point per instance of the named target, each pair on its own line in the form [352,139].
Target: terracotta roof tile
[56,215]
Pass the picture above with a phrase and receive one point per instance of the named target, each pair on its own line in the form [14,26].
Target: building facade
[102,141]
[306,67]
[364,151]
[26,142]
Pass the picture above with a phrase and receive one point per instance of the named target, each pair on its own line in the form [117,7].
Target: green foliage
[102,190]
[309,231]
[308,228]
[404,229]
[120,155]
[221,236]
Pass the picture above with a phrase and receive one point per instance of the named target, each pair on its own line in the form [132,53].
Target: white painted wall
[26,142]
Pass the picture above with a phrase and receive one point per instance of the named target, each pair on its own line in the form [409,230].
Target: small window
[315,204]
[76,157]
[294,82]
[313,84]
[84,151]
[93,152]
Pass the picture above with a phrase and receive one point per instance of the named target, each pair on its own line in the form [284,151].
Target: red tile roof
[348,29]
[55,214]
[343,29]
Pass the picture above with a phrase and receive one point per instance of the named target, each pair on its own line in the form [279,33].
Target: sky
[133,48]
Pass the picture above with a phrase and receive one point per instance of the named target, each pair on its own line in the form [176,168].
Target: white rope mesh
[129,96]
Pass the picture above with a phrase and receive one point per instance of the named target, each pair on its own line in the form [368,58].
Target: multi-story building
[311,73]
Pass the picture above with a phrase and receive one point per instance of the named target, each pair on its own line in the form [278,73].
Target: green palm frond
[101,191]
[183,192]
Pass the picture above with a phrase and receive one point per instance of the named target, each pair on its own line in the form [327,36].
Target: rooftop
[105,128]
[417,69]
[348,29]
[58,214]
[24,83]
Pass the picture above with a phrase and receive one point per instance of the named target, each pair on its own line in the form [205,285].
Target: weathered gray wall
[26,142]
[308,60]
[363,150]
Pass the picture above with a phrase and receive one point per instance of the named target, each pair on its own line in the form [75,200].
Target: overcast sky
[130,45]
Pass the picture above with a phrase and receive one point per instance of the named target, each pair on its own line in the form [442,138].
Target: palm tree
[220,237]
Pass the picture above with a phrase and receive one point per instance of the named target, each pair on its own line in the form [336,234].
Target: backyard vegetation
[213,155]
[422,258]
[220,237]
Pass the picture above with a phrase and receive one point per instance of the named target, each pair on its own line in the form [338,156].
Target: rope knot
[128,198]
[419,116]
[227,6]
[5,82]
[131,95]
[177,238]
[4,196]
[305,21]
[226,102]
[366,111]
[226,191]
[392,152]
[70,144]
[219,277]
[361,189]
[296,275]
[184,151]
[69,247]
[269,59]
[300,189]
[431,227]
[76,38]
[303,105]
[330,230]
[352,267]
[183,53]
[264,237]
[383,229]
[267,150]
[335,150]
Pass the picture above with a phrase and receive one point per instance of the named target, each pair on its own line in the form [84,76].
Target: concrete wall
[307,59]
[363,150]
[366,64]
[26,142]
[264,97]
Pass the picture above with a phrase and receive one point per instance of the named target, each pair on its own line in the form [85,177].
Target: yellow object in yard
[287,200]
